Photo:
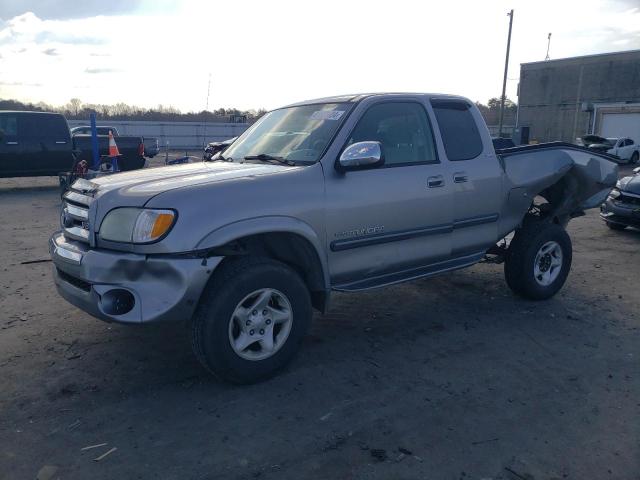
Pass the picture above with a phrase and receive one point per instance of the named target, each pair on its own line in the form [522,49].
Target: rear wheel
[538,260]
[250,320]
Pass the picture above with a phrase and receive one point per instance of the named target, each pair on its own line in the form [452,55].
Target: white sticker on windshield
[327,114]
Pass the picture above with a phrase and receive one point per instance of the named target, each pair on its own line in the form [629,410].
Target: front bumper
[125,287]
[620,213]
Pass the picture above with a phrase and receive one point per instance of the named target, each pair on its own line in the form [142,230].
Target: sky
[269,53]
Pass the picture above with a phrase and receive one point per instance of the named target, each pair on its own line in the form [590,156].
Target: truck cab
[34,144]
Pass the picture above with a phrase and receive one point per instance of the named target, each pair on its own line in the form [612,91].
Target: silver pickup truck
[338,194]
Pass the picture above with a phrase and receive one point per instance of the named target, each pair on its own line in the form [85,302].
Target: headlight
[615,193]
[136,225]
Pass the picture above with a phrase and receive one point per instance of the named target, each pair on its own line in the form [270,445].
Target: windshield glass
[299,134]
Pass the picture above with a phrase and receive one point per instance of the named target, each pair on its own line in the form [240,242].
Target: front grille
[75,216]
[76,282]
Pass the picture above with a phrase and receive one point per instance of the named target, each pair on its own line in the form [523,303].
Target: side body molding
[268,224]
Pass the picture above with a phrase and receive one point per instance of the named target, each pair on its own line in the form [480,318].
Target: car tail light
[141,149]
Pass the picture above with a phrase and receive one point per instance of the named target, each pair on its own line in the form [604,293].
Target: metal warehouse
[570,97]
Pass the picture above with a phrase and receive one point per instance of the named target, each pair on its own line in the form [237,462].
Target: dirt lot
[449,378]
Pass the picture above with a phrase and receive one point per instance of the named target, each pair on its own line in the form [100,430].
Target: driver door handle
[460,177]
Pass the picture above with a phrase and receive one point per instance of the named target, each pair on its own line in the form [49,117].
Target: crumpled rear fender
[576,178]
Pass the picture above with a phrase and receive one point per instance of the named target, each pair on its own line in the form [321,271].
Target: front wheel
[538,260]
[250,320]
[634,158]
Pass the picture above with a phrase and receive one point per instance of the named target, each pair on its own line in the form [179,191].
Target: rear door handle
[460,177]
[61,142]
[12,143]
[435,181]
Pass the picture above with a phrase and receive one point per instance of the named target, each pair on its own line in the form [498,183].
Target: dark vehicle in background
[622,207]
[500,143]
[36,144]
[214,148]
[151,145]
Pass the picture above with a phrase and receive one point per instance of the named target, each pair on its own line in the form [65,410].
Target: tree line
[76,109]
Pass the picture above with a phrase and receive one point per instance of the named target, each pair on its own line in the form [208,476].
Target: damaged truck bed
[337,194]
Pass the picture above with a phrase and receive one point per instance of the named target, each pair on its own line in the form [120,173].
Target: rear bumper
[125,287]
[620,214]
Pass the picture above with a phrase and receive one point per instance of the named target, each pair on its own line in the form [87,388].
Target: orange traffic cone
[113,148]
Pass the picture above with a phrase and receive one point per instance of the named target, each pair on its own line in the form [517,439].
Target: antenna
[548,45]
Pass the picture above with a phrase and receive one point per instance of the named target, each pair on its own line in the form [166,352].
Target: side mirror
[361,155]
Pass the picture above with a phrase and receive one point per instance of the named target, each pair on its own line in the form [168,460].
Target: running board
[408,275]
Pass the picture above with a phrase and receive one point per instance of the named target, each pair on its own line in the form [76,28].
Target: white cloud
[269,53]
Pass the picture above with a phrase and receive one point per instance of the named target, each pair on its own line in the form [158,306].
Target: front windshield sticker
[326,114]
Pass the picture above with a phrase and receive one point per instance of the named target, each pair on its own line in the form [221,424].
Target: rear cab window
[458,127]
[46,126]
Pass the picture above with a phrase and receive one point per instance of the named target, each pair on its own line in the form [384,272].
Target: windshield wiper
[265,157]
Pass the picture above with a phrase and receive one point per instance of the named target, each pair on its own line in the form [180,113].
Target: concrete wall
[556,98]
[180,135]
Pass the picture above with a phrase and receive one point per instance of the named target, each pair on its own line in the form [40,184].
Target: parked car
[151,146]
[340,194]
[624,149]
[622,207]
[40,144]
[214,148]
[500,143]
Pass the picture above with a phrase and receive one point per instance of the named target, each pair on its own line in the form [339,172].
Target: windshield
[298,134]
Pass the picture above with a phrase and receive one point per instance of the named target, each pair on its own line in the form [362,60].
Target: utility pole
[548,45]
[206,113]
[504,80]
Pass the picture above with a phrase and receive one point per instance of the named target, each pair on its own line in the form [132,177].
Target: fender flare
[268,224]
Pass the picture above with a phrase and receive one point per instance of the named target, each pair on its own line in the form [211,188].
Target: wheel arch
[282,238]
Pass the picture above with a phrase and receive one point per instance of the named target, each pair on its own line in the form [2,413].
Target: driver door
[396,217]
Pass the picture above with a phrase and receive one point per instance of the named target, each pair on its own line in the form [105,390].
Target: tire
[523,257]
[615,226]
[634,158]
[216,321]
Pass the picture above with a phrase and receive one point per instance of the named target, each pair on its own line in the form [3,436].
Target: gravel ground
[448,378]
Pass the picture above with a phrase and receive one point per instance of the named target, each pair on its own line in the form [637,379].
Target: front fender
[268,224]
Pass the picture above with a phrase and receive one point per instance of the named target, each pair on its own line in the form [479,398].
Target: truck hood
[138,186]
[630,184]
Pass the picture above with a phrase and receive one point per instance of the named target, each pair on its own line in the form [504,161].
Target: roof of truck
[356,97]
[29,111]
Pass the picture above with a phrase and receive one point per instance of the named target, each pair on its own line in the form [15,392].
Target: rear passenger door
[476,175]
[395,217]
[48,142]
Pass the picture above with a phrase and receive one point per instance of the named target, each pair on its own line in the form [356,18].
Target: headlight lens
[136,225]
[615,193]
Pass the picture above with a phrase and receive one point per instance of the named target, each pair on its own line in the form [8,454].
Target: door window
[8,126]
[44,126]
[402,128]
